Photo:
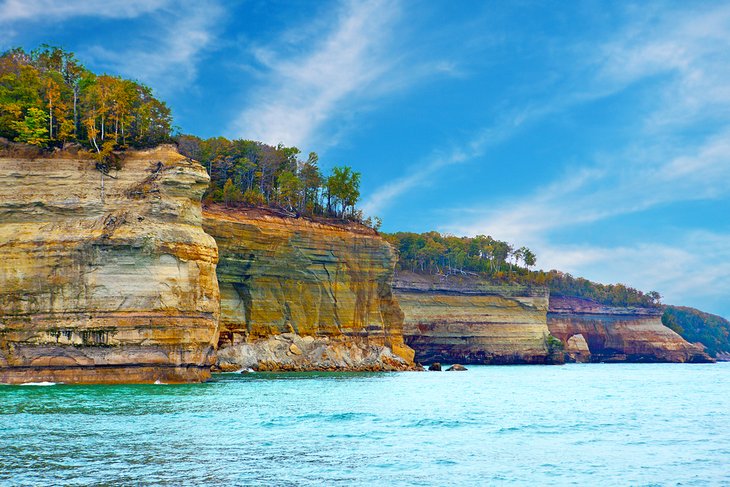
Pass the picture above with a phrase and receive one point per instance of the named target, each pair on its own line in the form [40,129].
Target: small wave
[438,422]
[39,383]
[445,461]
[158,382]
[367,435]
[349,416]
[242,370]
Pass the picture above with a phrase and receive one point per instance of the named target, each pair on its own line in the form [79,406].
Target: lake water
[593,424]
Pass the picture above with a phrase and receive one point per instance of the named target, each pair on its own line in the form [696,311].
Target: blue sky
[596,133]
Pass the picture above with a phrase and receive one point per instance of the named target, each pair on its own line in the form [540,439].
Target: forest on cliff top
[500,261]
[48,99]
[696,326]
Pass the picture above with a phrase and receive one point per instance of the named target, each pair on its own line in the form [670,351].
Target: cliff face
[301,295]
[616,334]
[119,289]
[467,321]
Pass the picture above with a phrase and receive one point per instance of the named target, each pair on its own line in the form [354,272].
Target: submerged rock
[456,368]
[436,366]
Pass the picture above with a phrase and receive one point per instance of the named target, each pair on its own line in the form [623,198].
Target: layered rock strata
[465,320]
[105,279]
[297,294]
[618,334]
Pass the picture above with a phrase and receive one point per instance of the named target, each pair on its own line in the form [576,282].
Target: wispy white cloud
[693,269]
[651,169]
[692,45]
[628,182]
[167,56]
[301,92]
[415,176]
[685,57]
[357,56]
[41,10]
[17,15]
[689,53]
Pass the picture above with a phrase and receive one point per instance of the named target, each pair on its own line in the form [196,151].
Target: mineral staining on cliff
[463,319]
[302,295]
[119,289]
[617,334]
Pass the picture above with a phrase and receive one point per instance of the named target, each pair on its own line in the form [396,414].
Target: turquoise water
[593,424]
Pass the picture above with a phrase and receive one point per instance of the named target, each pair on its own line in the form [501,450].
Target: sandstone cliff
[464,320]
[619,334]
[119,288]
[302,295]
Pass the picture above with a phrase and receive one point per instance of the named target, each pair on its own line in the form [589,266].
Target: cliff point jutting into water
[105,282]
[124,277]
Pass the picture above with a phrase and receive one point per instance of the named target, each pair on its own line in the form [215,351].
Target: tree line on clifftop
[251,173]
[695,326]
[500,261]
[49,99]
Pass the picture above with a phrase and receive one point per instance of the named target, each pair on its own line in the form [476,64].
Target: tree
[289,189]
[253,197]
[33,129]
[377,223]
[311,181]
[528,257]
[343,186]
[273,175]
[231,194]
[53,93]
[20,89]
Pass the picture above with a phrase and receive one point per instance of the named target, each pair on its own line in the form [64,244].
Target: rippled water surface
[575,424]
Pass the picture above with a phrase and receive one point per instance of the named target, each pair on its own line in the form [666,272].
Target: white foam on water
[40,383]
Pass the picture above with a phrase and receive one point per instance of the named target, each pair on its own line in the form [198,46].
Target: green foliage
[231,194]
[290,187]
[695,326]
[78,105]
[373,222]
[496,260]
[553,344]
[253,197]
[274,176]
[436,253]
[562,284]
[343,190]
[33,129]
[377,223]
